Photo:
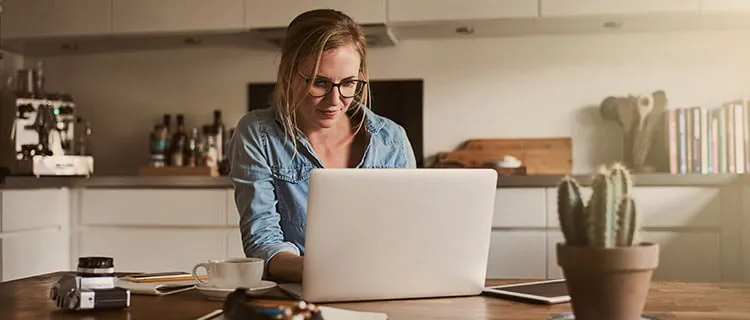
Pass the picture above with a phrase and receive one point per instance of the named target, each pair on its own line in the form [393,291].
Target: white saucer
[221,293]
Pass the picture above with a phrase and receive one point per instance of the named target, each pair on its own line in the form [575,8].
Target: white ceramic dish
[212,293]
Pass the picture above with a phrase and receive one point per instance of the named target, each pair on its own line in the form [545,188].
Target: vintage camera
[94,286]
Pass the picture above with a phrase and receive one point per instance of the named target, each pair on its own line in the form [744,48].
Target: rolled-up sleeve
[254,194]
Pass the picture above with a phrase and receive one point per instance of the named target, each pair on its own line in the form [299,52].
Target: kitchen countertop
[27,182]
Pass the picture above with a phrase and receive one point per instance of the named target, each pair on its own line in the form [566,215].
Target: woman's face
[325,106]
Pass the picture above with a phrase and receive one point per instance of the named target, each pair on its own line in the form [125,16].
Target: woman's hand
[286,266]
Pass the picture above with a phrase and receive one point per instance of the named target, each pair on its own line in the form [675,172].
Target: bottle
[177,144]
[168,123]
[220,131]
[159,138]
[191,149]
[210,150]
[83,143]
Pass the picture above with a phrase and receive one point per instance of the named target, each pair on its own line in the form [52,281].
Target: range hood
[377,35]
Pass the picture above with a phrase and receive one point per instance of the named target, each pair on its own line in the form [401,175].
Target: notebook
[328,313]
[156,288]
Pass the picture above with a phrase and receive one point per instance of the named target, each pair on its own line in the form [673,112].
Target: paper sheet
[343,314]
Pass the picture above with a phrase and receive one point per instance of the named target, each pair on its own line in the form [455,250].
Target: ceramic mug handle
[195,275]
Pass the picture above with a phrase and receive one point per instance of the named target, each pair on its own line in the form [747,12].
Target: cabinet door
[234,244]
[520,207]
[26,18]
[429,10]
[23,210]
[683,256]
[154,250]
[82,17]
[517,254]
[725,6]
[31,253]
[671,207]
[233,215]
[279,13]
[210,15]
[154,207]
[551,8]
[147,15]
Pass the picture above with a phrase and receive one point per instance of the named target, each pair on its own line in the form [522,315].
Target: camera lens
[96,266]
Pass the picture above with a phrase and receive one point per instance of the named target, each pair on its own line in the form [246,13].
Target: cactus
[570,207]
[608,220]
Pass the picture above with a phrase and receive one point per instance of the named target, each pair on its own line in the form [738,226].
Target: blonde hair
[307,37]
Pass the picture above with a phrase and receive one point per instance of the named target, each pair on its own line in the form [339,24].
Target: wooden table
[28,299]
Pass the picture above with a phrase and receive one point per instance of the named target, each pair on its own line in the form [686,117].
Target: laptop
[381,234]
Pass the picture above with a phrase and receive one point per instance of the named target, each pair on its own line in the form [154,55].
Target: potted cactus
[607,268]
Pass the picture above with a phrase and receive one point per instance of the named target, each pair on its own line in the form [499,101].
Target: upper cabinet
[141,16]
[725,6]
[54,18]
[213,15]
[147,15]
[81,17]
[279,13]
[17,17]
[430,10]
[558,8]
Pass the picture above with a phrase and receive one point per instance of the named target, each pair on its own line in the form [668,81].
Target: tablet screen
[549,290]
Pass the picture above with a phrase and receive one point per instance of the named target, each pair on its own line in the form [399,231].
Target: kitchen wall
[8,66]
[499,88]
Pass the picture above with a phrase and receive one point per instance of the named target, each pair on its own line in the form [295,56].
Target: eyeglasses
[236,307]
[321,87]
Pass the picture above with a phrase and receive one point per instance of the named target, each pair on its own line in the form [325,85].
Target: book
[156,288]
[162,277]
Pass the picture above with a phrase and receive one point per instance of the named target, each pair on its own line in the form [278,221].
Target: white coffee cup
[231,273]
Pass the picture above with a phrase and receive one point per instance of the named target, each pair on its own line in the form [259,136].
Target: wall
[513,87]
[8,66]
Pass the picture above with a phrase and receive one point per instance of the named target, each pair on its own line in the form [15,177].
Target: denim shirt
[271,182]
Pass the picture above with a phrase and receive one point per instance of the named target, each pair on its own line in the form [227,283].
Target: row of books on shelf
[709,140]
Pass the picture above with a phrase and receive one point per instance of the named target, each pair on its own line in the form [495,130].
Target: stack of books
[709,141]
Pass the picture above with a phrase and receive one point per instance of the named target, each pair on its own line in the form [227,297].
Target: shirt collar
[373,123]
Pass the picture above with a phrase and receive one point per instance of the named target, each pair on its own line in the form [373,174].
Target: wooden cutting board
[539,156]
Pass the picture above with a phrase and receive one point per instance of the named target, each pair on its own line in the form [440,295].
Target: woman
[318,119]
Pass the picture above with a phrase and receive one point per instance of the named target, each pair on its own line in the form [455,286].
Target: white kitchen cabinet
[517,254]
[211,15]
[560,8]
[234,243]
[34,232]
[26,18]
[279,13]
[147,16]
[233,216]
[446,10]
[138,16]
[154,207]
[56,18]
[153,250]
[31,253]
[520,207]
[684,256]
[31,209]
[725,6]
[81,17]
[674,207]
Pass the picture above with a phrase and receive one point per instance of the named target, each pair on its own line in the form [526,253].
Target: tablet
[545,291]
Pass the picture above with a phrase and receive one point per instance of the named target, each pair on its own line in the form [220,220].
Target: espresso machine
[46,137]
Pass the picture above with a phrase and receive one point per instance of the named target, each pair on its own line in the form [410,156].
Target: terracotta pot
[608,283]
